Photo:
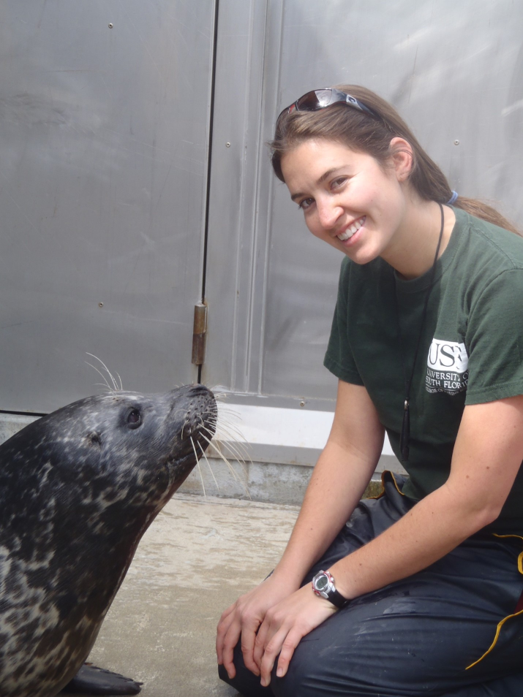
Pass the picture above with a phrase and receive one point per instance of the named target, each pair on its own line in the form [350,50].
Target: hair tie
[453,198]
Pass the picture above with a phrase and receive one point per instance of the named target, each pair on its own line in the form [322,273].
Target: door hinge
[199,333]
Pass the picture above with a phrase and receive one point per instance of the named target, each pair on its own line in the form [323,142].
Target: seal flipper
[91,680]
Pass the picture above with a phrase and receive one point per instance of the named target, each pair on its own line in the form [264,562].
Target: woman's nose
[329,214]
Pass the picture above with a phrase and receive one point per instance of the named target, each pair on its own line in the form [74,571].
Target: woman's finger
[225,646]
[248,639]
[223,626]
[292,640]
[260,641]
[272,649]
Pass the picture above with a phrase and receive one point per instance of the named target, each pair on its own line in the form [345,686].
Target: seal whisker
[230,452]
[210,431]
[198,465]
[229,438]
[228,426]
[237,453]
[120,383]
[235,446]
[216,448]
[240,455]
[209,466]
[228,413]
[213,421]
[106,370]
[232,436]
[229,441]
[230,420]
[230,409]
[116,386]
[232,431]
[100,384]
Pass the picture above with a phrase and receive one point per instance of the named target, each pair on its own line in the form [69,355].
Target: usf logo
[447,367]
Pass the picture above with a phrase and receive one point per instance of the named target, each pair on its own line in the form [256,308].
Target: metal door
[104,131]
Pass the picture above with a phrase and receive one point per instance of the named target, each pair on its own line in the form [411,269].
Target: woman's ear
[402,157]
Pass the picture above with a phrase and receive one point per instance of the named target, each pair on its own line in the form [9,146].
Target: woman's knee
[245,682]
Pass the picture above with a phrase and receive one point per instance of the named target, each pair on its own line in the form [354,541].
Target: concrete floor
[197,557]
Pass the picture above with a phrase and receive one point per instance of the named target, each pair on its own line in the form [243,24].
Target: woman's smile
[348,232]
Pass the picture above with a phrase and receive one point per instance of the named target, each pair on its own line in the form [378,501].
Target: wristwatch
[323,586]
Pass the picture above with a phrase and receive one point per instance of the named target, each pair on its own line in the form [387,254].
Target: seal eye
[134,418]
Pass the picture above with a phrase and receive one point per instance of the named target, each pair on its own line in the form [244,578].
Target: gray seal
[78,488]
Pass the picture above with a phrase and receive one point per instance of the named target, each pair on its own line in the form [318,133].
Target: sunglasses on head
[322,98]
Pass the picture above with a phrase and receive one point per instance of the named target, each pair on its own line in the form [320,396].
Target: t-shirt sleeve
[339,358]
[495,340]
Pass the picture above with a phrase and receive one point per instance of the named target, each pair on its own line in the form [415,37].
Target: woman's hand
[283,627]
[244,618]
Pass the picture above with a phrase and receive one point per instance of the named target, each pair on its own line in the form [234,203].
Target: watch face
[322,582]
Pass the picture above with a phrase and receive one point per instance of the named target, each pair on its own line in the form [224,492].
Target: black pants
[451,630]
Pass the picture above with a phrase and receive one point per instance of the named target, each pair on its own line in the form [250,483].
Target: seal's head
[78,488]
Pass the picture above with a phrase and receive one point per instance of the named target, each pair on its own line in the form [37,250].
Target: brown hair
[372,134]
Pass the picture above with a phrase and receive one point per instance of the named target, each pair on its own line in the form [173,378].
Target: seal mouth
[183,460]
[193,446]
[186,458]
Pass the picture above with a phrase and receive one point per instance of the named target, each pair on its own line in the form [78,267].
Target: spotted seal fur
[78,488]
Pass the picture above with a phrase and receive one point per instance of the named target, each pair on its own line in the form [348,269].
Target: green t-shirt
[471,350]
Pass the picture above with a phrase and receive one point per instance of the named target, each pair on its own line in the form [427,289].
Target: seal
[78,488]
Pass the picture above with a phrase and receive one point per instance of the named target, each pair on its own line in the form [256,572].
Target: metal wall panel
[455,72]
[104,126]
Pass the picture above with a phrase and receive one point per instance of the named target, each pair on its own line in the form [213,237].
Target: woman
[419,592]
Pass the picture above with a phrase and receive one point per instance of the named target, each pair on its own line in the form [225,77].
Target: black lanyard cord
[405,427]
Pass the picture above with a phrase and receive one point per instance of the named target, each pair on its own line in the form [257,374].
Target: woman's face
[348,199]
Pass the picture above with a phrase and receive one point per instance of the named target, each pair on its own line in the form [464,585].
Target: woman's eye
[306,203]
[134,418]
[337,183]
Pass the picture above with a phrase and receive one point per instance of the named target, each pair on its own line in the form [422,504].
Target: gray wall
[104,136]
